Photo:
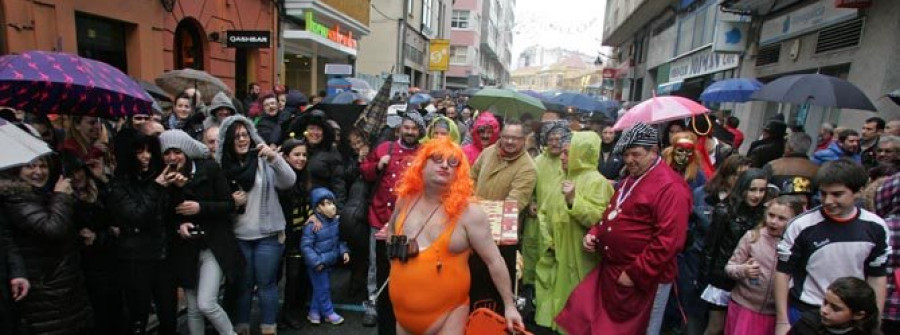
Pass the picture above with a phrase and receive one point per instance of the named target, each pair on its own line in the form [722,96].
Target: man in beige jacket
[503,171]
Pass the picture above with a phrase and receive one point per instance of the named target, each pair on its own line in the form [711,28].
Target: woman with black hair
[39,207]
[135,203]
[255,171]
[295,205]
[741,211]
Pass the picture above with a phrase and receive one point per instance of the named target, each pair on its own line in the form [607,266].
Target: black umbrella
[154,91]
[814,89]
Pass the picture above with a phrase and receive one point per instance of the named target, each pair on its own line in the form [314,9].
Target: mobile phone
[173,167]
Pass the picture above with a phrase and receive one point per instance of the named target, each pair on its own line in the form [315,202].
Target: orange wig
[460,190]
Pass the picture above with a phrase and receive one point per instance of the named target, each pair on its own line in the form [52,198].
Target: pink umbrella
[658,110]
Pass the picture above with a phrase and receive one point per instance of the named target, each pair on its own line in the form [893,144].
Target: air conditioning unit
[339,69]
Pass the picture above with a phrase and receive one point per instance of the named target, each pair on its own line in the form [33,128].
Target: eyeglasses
[439,159]
[140,118]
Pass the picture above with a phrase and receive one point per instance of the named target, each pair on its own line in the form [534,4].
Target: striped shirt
[816,250]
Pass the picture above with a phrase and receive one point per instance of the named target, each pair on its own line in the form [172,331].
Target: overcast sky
[572,24]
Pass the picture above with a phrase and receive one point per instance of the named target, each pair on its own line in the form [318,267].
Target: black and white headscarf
[641,134]
[553,126]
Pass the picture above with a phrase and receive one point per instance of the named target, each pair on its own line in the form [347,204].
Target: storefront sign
[334,33]
[247,39]
[701,63]
[730,36]
[609,73]
[439,55]
[803,20]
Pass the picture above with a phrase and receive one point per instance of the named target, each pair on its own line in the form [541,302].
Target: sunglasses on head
[439,159]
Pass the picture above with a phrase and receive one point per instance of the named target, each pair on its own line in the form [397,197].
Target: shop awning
[668,88]
[306,43]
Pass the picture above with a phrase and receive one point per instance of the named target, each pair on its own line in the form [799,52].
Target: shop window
[460,19]
[189,42]
[102,39]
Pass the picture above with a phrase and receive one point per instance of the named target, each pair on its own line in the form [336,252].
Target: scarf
[244,175]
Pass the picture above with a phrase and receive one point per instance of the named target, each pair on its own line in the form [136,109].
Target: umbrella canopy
[470,92]
[343,98]
[506,102]
[815,89]
[440,94]
[373,118]
[19,147]
[176,81]
[61,83]
[658,110]
[731,90]
[155,91]
[581,102]
[420,98]
[532,94]
[894,96]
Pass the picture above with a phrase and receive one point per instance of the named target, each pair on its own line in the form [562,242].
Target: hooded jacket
[221,100]
[322,246]
[324,165]
[451,126]
[262,216]
[562,262]
[43,230]
[474,149]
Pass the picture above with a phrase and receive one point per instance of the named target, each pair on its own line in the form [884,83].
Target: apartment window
[460,19]
[426,13]
[458,55]
[409,6]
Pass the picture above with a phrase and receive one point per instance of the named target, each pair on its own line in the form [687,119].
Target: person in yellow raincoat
[581,197]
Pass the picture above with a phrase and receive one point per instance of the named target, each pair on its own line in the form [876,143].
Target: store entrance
[240,73]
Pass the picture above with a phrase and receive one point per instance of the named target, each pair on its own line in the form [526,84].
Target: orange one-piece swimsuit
[427,286]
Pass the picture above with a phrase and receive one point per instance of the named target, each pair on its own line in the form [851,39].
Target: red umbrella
[658,110]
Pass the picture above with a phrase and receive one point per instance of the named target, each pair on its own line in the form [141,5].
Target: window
[426,14]
[458,55]
[460,19]
[102,39]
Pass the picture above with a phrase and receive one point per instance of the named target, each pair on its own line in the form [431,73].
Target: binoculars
[401,248]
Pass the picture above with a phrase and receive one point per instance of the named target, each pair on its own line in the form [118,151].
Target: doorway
[240,73]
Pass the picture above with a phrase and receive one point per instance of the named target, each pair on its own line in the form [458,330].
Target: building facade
[401,32]
[321,38]
[681,47]
[148,37]
[481,43]
[571,73]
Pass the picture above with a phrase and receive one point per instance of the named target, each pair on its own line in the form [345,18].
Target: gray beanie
[221,100]
[178,139]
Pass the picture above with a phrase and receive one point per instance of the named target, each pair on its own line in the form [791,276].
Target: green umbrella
[504,102]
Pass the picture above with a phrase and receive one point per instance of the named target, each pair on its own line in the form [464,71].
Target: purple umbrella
[60,83]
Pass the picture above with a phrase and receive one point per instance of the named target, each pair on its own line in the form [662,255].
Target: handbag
[484,321]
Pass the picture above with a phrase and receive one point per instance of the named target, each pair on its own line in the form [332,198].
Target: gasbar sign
[248,39]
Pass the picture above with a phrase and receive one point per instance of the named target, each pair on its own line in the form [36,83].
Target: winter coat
[136,208]
[193,125]
[208,187]
[755,295]
[354,225]
[727,227]
[326,169]
[833,153]
[221,100]
[611,166]
[322,247]
[810,323]
[269,128]
[474,149]
[498,178]
[384,199]
[562,262]
[48,242]
[11,266]
[295,206]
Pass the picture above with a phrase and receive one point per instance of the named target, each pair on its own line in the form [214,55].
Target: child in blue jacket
[322,249]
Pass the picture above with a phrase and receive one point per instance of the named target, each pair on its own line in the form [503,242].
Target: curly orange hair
[456,197]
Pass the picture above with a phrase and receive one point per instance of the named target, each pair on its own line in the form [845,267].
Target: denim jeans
[371,281]
[203,301]
[263,258]
[321,293]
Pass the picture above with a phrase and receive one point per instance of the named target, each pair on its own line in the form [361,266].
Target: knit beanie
[178,139]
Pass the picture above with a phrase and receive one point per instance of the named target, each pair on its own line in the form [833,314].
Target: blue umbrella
[731,90]
[533,94]
[420,98]
[578,101]
[343,98]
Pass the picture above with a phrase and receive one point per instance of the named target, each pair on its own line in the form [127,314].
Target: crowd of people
[658,229]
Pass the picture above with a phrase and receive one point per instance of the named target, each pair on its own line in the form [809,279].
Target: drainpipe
[401,39]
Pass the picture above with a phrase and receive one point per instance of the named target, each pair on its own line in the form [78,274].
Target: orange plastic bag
[484,321]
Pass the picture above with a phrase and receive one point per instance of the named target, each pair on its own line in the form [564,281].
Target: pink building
[480,43]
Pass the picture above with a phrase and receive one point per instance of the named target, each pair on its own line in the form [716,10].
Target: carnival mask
[683,156]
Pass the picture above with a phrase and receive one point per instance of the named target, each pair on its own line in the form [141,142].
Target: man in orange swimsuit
[429,289]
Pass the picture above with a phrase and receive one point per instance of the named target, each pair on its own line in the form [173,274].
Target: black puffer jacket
[48,242]
[725,231]
[11,266]
[354,214]
[136,207]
